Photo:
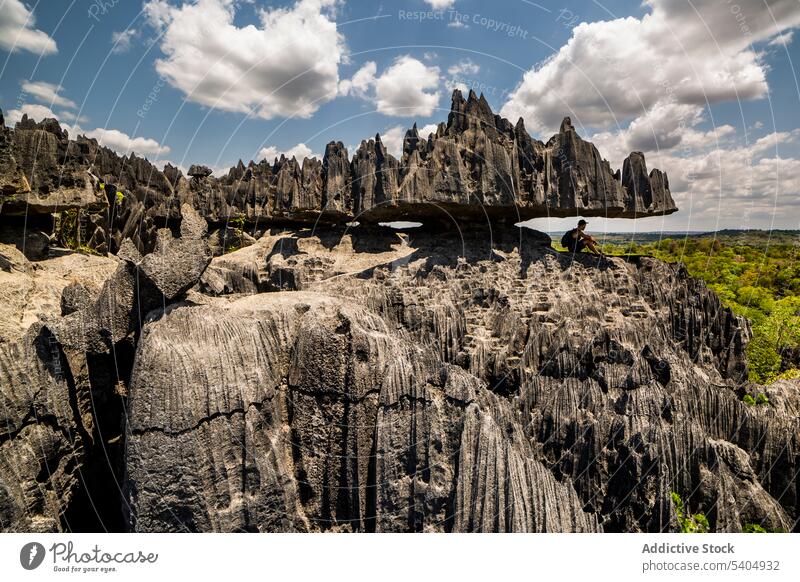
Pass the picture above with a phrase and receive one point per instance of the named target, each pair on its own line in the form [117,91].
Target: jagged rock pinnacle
[476,166]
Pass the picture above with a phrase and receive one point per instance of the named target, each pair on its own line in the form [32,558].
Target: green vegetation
[697,523]
[237,225]
[759,400]
[120,197]
[755,273]
[756,528]
[791,374]
[67,232]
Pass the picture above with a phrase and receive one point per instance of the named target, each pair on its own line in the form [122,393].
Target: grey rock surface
[139,285]
[477,166]
[42,439]
[30,291]
[339,377]
[361,379]
[332,424]
[63,382]
[421,382]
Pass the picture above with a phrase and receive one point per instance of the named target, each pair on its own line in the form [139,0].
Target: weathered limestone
[477,166]
[421,382]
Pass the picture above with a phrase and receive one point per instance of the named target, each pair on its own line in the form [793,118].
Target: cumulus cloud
[286,65]
[123,40]
[464,67]
[440,4]
[32,110]
[18,32]
[117,140]
[739,184]
[427,130]
[392,138]
[407,88]
[610,72]
[360,83]
[72,117]
[299,151]
[47,93]
[667,127]
[124,144]
[784,39]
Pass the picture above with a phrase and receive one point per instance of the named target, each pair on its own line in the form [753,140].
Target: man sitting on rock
[576,240]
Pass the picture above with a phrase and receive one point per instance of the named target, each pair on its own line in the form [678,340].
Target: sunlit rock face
[328,376]
[365,379]
[375,381]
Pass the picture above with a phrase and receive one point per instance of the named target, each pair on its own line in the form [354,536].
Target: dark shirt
[575,242]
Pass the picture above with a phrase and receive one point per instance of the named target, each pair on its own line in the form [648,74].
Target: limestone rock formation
[138,286]
[42,440]
[331,374]
[361,379]
[29,290]
[441,384]
[477,166]
[64,380]
[331,422]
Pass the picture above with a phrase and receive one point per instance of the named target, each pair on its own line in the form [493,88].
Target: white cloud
[47,93]
[118,141]
[664,127]
[784,39]
[359,85]
[404,89]
[440,4]
[427,130]
[286,65]
[17,30]
[457,24]
[299,151]
[644,84]
[615,146]
[464,67]
[610,72]
[32,110]
[159,13]
[737,184]
[392,138]
[123,40]
[72,117]
[123,144]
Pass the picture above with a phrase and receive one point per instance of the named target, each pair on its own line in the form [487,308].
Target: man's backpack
[567,240]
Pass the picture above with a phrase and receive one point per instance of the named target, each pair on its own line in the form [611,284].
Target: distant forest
[755,273]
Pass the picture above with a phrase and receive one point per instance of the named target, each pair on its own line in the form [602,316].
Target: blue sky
[706,89]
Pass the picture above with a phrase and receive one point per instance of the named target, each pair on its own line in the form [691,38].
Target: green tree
[688,523]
